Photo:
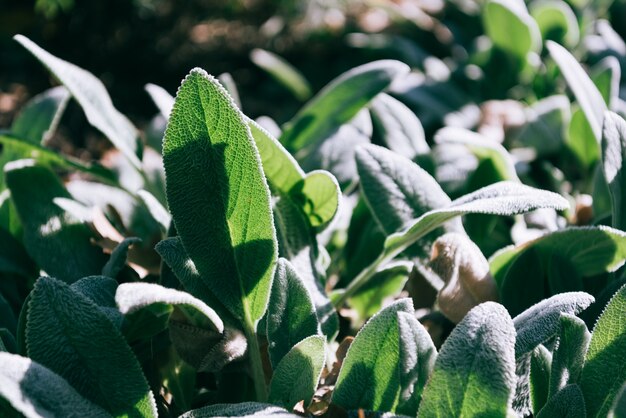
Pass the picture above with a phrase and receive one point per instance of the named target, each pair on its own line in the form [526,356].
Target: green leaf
[101,291]
[545,121]
[601,378]
[578,251]
[474,374]
[283,72]
[581,140]
[228,82]
[291,314]
[240,410]
[37,392]
[613,155]
[318,194]
[567,403]
[397,127]
[67,333]
[618,410]
[161,98]
[339,102]
[40,116]
[539,382]
[13,256]
[417,359]
[569,354]
[556,21]
[156,209]
[297,375]
[118,258]
[586,93]
[370,377]
[212,166]
[540,322]
[58,241]
[606,76]
[91,94]
[511,28]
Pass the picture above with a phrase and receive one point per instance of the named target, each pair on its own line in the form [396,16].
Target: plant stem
[256,363]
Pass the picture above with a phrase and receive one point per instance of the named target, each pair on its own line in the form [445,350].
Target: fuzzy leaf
[569,355]
[475,371]
[39,118]
[58,241]
[101,291]
[601,377]
[511,28]
[291,313]
[370,377]
[339,102]
[539,380]
[240,410]
[212,166]
[398,127]
[613,155]
[283,72]
[37,392]
[567,403]
[318,194]
[117,261]
[296,376]
[156,209]
[586,92]
[67,333]
[91,94]
[540,322]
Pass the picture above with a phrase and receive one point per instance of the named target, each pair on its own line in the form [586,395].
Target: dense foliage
[342,264]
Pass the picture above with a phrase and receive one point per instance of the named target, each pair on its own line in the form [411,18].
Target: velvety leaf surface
[567,403]
[296,377]
[58,241]
[475,371]
[569,355]
[602,376]
[613,153]
[212,166]
[370,377]
[539,380]
[37,392]
[118,258]
[39,118]
[240,410]
[67,333]
[291,314]
[339,102]
[91,94]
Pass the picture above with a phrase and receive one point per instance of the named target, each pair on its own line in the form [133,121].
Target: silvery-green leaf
[539,380]
[339,102]
[291,314]
[510,27]
[161,98]
[297,374]
[212,166]
[101,291]
[37,392]
[545,121]
[118,258]
[540,322]
[59,242]
[567,403]
[613,153]
[91,94]
[417,359]
[370,377]
[606,76]
[569,354]
[556,21]
[240,410]
[601,379]
[40,116]
[397,126]
[474,373]
[283,72]
[587,95]
[156,209]
[67,333]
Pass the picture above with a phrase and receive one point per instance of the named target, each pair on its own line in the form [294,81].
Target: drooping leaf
[475,371]
[39,118]
[283,72]
[398,127]
[59,242]
[601,378]
[91,94]
[212,166]
[539,380]
[613,155]
[569,355]
[240,410]
[586,93]
[339,102]
[67,333]
[511,28]
[118,258]
[296,377]
[540,322]
[567,403]
[37,392]
[417,359]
